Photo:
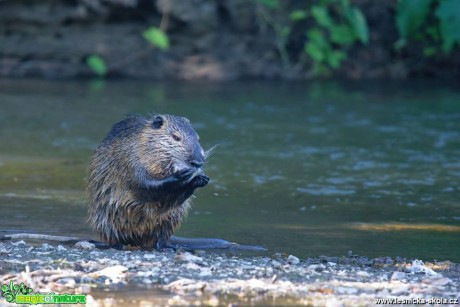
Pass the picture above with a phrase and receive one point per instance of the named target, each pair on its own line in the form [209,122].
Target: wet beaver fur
[141,178]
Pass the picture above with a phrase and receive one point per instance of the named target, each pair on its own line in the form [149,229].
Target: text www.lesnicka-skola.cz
[416,300]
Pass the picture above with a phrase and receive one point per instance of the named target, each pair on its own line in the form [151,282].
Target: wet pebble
[439,282]
[204,272]
[276,264]
[203,277]
[85,245]
[398,275]
[188,257]
[147,281]
[150,256]
[293,260]
[316,267]
[47,247]
[191,266]
[61,248]
[363,274]
[113,272]
[346,290]
[19,243]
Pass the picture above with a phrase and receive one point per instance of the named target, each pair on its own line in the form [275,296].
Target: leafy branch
[331,28]
[433,23]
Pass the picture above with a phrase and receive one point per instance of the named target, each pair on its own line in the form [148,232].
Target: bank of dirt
[212,40]
[129,278]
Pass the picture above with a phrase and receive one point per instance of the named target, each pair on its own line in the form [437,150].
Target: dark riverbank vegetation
[225,40]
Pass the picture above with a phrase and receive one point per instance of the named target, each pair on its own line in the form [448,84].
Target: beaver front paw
[184,175]
[200,181]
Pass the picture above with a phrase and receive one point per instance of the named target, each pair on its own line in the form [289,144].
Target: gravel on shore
[217,278]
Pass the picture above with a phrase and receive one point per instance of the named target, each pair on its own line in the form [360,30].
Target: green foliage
[320,50]
[433,23]
[321,15]
[411,15]
[272,4]
[448,13]
[358,23]
[97,64]
[342,35]
[328,42]
[336,26]
[332,27]
[157,38]
[317,46]
[298,15]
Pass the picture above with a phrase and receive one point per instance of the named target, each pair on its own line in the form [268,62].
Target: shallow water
[304,169]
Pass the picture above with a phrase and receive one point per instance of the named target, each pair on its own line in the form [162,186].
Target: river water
[306,169]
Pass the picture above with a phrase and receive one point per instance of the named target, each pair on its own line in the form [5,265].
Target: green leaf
[411,15]
[271,4]
[345,4]
[342,35]
[298,15]
[359,24]
[321,15]
[285,31]
[433,32]
[448,13]
[314,51]
[316,36]
[335,58]
[97,64]
[157,38]
[429,51]
[400,44]
[320,69]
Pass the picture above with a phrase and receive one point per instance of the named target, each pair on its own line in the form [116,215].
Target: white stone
[18,243]
[293,260]
[85,245]
[398,275]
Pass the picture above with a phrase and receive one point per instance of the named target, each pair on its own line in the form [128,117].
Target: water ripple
[325,191]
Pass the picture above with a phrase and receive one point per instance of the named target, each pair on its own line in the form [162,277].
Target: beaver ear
[157,122]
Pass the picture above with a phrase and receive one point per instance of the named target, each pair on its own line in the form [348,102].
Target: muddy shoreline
[216,278]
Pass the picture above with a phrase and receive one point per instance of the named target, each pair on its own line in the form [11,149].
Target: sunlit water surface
[305,169]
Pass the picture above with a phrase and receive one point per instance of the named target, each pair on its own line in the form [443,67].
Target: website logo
[21,294]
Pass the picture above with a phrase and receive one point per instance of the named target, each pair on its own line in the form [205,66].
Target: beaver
[140,182]
[141,178]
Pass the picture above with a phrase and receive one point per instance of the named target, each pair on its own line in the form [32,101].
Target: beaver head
[169,144]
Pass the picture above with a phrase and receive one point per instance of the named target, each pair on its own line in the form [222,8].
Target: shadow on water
[305,169]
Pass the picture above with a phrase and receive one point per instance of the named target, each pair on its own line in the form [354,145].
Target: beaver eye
[176,137]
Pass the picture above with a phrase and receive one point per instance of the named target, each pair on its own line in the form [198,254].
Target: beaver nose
[196,163]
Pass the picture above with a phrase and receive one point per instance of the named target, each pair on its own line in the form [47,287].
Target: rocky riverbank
[110,277]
